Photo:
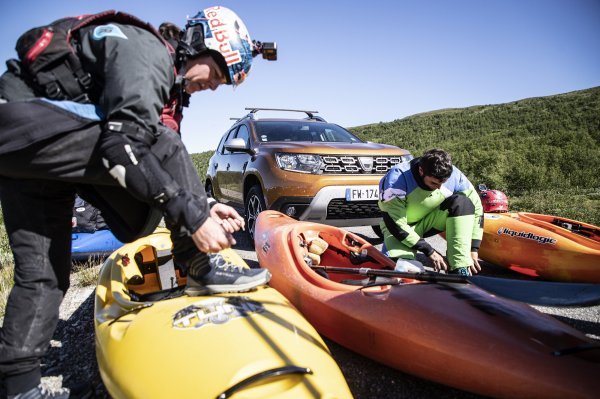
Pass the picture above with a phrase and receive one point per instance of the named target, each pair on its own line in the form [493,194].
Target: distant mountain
[546,146]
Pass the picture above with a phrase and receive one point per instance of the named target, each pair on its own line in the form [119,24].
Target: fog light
[290,211]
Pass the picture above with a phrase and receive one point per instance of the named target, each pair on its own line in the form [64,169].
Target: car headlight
[303,163]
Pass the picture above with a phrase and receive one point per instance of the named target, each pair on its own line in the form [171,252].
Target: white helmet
[221,32]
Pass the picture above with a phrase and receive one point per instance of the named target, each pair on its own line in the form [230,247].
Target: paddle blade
[542,293]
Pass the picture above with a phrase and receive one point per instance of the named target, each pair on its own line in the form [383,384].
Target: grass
[6,283]
[583,205]
[87,272]
[83,275]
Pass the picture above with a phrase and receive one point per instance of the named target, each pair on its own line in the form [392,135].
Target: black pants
[37,190]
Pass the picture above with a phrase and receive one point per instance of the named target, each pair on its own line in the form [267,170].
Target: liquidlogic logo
[215,311]
[526,235]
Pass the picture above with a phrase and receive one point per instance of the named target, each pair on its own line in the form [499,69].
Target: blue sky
[363,62]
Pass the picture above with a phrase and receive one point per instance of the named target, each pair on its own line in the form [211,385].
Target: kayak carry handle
[276,372]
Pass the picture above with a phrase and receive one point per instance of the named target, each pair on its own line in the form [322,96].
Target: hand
[476,267]
[438,262]
[227,217]
[212,237]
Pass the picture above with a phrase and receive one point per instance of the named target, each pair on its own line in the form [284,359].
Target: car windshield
[303,131]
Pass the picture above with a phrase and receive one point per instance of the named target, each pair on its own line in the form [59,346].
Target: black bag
[49,62]
[86,218]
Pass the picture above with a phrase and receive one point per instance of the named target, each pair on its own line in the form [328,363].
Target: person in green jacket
[426,196]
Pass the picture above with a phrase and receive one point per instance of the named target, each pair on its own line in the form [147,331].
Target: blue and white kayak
[98,244]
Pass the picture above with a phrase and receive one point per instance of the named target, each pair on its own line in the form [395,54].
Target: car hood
[332,148]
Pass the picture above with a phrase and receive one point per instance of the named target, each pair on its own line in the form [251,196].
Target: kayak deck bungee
[454,334]
[544,246]
[240,345]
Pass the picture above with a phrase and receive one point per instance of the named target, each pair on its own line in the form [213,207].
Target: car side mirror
[238,145]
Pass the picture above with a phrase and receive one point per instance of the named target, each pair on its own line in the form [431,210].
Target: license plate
[362,193]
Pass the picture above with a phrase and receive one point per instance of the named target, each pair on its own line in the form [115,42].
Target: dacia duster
[306,168]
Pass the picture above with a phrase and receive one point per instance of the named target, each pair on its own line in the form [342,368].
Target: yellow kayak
[153,342]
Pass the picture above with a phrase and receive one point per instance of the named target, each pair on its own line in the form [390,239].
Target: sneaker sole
[222,289]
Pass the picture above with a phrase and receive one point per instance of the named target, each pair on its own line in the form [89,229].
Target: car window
[303,131]
[221,144]
[230,135]
[243,134]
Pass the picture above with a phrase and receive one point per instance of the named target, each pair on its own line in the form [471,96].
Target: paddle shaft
[545,293]
[429,277]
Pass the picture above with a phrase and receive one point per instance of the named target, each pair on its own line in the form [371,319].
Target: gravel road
[71,358]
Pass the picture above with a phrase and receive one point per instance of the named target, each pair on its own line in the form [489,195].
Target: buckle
[83,98]
[85,80]
[161,198]
[53,90]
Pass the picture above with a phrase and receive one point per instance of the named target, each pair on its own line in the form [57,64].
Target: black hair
[170,31]
[436,163]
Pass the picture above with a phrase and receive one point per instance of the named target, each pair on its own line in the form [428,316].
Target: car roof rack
[310,114]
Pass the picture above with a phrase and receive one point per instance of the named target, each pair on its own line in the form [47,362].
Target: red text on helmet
[220,35]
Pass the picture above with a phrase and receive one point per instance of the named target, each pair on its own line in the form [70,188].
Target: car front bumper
[329,206]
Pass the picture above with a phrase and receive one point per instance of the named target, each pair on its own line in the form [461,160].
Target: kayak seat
[147,261]
[312,259]
[317,246]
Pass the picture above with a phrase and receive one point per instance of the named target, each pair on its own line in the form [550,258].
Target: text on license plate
[362,193]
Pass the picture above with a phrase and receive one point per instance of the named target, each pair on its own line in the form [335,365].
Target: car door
[221,164]
[238,161]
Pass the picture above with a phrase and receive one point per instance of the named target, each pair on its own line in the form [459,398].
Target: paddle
[542,293]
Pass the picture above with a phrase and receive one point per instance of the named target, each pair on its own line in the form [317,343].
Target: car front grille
[341,209]
[366,165]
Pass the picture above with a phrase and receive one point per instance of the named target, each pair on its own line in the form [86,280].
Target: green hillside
[200,161]
[543,152]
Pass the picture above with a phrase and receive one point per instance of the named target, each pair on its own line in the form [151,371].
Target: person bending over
[424,197]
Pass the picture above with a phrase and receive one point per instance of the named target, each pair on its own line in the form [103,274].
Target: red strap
[39,46]
[169,116]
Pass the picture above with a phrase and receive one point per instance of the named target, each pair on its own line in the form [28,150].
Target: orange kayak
[454,334]
[545,246]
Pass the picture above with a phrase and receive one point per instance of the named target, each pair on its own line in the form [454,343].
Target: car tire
[254,203]
[377,231]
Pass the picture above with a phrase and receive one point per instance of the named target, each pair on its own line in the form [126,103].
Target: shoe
[409,266]
[226,277]
[40,392]
[461,271]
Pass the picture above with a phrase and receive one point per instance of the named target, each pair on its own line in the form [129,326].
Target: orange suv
[306,168]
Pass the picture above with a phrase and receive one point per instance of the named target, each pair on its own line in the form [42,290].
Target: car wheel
[377,230]
[253,205]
